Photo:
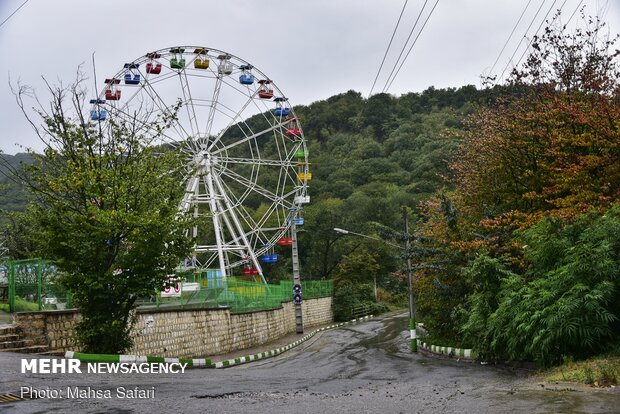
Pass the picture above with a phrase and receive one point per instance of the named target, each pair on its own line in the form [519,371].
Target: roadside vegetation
[600,371]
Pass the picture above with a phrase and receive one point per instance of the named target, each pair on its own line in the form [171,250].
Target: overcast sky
[311,49]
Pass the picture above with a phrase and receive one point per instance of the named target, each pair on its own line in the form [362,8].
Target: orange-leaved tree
[552,147]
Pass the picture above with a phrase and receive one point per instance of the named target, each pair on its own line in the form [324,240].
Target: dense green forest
[12,195]
[513,194]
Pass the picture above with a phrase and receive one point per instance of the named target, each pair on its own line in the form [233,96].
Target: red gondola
[249,271]
[153,66]
[285,241]
[264,90]
[112,93]
[293,129]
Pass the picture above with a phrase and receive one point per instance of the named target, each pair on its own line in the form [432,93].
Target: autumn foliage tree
[536,175]
[553,146]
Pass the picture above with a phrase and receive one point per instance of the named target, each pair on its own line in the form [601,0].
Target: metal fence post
[40,283]
[11,266]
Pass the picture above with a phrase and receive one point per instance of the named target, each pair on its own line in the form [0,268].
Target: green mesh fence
[209,290]
[32,285]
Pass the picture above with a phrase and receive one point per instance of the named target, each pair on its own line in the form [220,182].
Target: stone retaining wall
[183,332]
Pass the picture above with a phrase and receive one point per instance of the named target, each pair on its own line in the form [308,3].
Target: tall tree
[105,212]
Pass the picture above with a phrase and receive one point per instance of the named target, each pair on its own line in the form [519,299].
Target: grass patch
[20,306]
[601,371]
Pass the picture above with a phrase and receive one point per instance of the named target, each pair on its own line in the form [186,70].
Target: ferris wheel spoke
[253,186]
[146,125]
[187,97]
[237,117]
[259,161]
[246,139]
[213,106]
[158,101]
[237,204]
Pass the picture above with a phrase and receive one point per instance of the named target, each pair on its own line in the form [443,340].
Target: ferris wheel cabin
[112,93]
[153,66]
[293,128]
[264,90]
[246,77]
[281,109]
[98,114]
[225,67]
[131,77]
[201,61]
[177,61]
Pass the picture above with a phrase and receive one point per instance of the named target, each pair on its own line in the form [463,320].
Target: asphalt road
[364,368]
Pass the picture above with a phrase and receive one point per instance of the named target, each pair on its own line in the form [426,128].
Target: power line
[406,41]
[11,15]
[388,48]
[574,12]
[412,45]
[524,36]
[510,37]
[539,27]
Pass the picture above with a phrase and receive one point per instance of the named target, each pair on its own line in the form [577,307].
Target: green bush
[349,296]
[568,302]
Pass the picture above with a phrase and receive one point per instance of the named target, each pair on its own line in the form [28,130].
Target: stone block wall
[183,332]
[56,329]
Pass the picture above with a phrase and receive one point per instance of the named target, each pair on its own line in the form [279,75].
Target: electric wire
[388,48]
[11,15]
[539,27]
[521,41]
[406,42]
[411,48]
[574,12]
[510,37]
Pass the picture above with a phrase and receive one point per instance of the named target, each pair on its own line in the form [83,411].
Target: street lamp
[406,249]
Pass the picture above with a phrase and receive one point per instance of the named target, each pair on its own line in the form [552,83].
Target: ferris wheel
[247,159]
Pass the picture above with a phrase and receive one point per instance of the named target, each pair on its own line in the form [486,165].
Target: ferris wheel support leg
[216,223]
[195,229]
[237,223]
[299,320]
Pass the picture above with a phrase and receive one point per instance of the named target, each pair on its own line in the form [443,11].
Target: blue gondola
[299,221]
[132,80]
[98,115]
[280,109]
[269,258]
[246,77]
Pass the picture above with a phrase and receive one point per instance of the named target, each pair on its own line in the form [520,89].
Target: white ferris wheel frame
[239,239]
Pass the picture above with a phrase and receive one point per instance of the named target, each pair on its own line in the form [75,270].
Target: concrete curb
[449,351]
[204,362]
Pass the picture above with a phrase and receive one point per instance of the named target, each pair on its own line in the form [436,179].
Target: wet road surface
[364,368]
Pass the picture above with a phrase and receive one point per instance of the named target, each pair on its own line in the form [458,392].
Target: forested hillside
[12,195]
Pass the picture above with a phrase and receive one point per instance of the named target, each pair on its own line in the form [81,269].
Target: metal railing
[239,295]
[30,285]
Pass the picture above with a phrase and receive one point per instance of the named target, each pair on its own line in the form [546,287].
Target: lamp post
[407,250]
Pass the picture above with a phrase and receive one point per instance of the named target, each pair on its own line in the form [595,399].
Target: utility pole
[299,321]
[412,324]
